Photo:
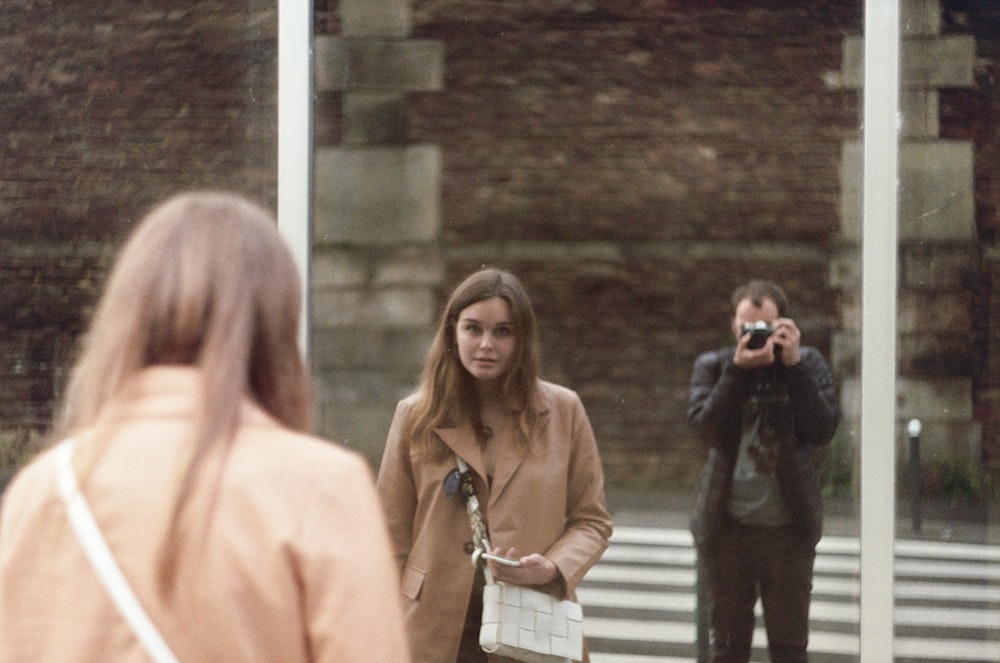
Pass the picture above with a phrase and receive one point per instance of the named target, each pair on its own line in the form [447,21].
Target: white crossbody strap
[94,545]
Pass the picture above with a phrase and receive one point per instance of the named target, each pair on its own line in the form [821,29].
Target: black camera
[759,332]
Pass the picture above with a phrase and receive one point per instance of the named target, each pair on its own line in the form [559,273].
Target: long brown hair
[204,280]
[447,395]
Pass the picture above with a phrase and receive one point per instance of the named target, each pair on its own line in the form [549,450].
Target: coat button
[468,547]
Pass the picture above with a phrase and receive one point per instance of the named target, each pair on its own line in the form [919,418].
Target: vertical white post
[878,328]
[295,141]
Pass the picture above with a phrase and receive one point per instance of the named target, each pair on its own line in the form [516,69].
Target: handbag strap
[477,522]
[101,559]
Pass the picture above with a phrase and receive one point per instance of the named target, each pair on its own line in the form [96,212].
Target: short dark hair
[757,291]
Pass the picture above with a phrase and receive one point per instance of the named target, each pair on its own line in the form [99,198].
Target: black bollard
[913,430]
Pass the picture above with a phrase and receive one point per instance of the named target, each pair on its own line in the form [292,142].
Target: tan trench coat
[549,500]
[295,566]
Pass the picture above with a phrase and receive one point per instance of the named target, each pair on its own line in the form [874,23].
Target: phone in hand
[506,561]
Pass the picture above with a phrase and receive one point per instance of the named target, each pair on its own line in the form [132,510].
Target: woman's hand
[535,569]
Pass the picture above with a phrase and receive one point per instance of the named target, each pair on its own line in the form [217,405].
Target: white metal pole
[878,328]
[295,141]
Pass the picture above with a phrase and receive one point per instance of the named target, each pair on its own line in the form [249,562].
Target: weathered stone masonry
[631,161]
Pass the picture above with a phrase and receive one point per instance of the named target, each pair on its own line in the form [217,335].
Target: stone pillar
[377,215]
[938,247]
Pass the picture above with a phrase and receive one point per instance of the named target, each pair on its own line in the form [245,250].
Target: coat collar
[463,442]
[169,391]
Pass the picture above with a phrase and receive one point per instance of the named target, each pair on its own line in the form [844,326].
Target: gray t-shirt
[756,497]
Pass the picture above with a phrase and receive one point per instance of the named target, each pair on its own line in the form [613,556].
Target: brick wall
[631,161]
[635,161]
[975,115]
[106,108]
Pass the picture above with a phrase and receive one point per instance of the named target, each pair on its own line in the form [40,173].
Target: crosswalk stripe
[848,588]
[832,544]
[950,618]
[684,633]
[927,649]
[946,569]
[920,568]
[971,551]
[843,644]
[825,611]
[952,592]
[648,575]
[598,657]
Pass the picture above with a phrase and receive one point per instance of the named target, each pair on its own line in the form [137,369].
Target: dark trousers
[745,563]
[469,650]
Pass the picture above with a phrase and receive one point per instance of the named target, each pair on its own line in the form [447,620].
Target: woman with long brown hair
[243,537]
[534,462]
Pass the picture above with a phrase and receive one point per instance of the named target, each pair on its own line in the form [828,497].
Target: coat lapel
[462,441]
[509,459]
[507,462]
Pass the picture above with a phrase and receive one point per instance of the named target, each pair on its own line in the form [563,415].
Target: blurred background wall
[631,161]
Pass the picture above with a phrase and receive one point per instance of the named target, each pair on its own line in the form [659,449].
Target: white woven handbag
[530,626]
[519,622]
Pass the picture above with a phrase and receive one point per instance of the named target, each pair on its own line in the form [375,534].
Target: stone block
[935,190]
[852,62]
[933,62]
[947,400]
[845,353]
[399,350]
[850,400]
[937,266]
[845,268]
[920,113]
[938,354]
[375,119]
[356,407]
[362,427]
[377,195]
[937,61]
[940,400]
[919,17]
[345,268]
[338,268]
[378,65]
[933,311]
[385,18]
[395,307]
[408,266]
[851,189]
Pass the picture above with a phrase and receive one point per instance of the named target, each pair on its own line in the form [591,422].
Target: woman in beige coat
[242,537]
[534,460]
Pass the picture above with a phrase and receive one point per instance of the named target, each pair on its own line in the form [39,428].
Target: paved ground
[641,603]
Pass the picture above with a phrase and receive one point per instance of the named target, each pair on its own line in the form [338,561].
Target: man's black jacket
[804,421]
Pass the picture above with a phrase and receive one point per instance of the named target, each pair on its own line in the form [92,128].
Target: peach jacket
[294,565]
[548,500]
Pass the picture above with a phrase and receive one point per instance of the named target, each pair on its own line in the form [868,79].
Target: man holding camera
[762,408]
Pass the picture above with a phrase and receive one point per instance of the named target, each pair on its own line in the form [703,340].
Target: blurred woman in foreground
[243,537]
